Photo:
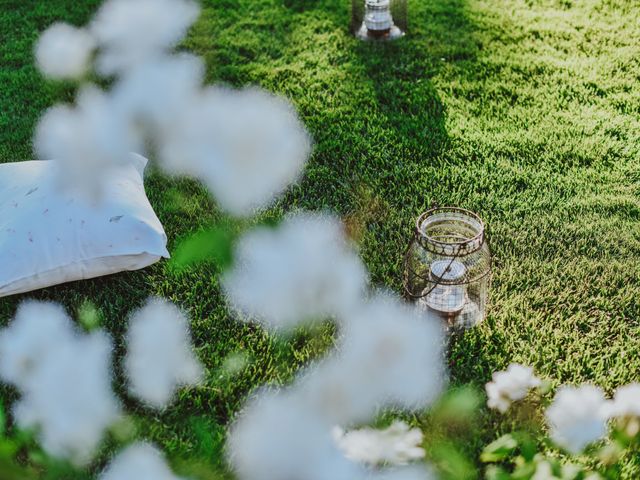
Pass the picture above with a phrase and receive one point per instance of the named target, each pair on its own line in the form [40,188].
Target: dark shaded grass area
[526,112]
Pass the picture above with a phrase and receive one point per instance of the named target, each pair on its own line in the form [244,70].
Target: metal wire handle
[436,283]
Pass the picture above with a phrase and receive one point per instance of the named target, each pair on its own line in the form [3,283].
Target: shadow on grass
[397,75]
[377,120]
[400,121]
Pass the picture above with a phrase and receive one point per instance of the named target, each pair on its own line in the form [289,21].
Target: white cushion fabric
[48,236]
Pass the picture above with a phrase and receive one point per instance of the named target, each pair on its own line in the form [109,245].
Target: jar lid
[447,271]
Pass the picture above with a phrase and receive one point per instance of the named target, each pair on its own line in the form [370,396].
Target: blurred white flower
[64,51]
[397,444]
[140,461]
[576,417]
[67,398]
[131,32]
[160,357]
[389,354]
[279,436]
[398,347]
[154,94]
[247,146]
[87,140]
[510,385]
[302,270]
[64,379]
[626,402]
[38,328]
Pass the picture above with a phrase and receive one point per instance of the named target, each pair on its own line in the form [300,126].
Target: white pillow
[49,237]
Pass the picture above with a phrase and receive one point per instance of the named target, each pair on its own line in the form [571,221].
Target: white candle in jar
[448,296]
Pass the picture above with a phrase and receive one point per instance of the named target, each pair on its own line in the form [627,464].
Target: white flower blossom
[67,397]
[576,417]
[395,352]
[397,444]
[303,269]
[154,94]
[38,328]
[160,357]
[247,146]
[64,51]
[131,32]
[390,354]
[64,379]
[510,385]
[87,141]
[626,402]
[140,461]
[279,436]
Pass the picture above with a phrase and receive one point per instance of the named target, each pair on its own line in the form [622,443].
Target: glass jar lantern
[448,266]
[379,19]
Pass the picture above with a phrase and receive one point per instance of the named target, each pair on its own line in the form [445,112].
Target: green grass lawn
[525,111]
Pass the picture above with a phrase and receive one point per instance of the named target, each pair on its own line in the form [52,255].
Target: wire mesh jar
[448,266]
[379,19]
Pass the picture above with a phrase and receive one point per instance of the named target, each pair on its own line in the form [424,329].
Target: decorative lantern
[379,19]
[448,266]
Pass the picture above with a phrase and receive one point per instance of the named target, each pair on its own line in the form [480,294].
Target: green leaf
[459,405]
[499,449]
[214,245]
[89,316]
[524,471]
[10,471]
[528,446]
[451,463]
[8,448]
